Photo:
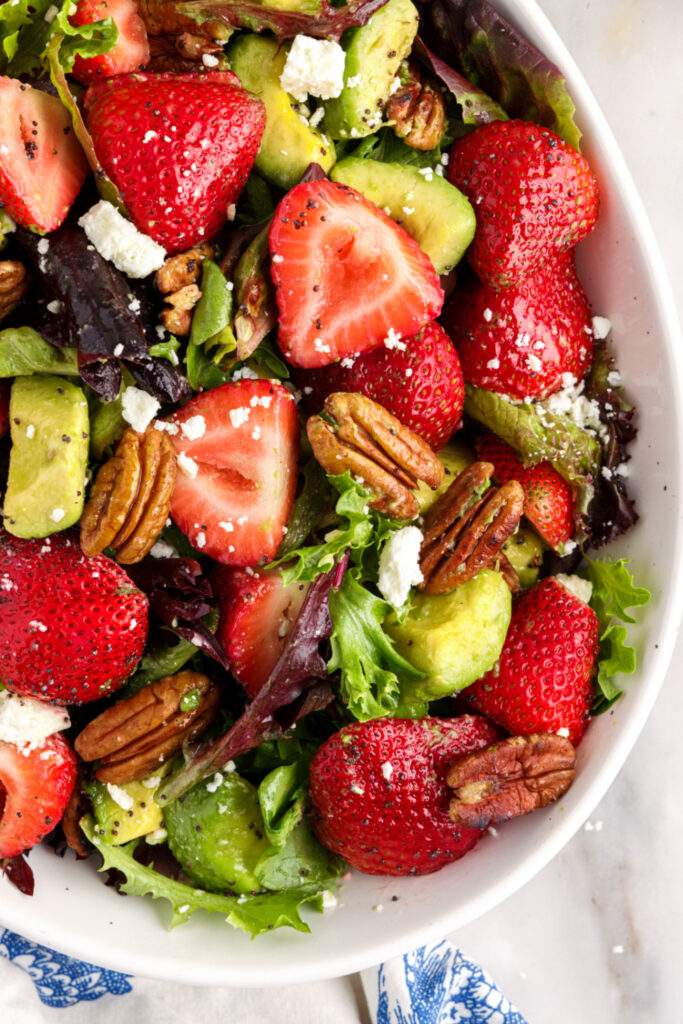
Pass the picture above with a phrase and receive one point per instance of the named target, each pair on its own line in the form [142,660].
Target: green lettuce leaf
[167,349]
[212,317]
[281,796]
[302,860]
[614,593]
[23,352]
[363,653]
[28,26]
[158,663]
[312,505]
[253,914]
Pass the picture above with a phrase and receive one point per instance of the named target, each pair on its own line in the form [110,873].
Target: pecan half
[418,112]
[466,528]
[511,778]
[356,434]
[136,735]
[13,285]
[130,499]
[177,282]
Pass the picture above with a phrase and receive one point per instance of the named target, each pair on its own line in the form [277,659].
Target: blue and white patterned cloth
[435,984]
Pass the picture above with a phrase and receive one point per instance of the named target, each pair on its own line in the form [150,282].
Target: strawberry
[4,407]
[237,454]
[179,147]
[379,794]
[42,166]
[72,628]
[130,52]
[419,381]
[35,789]
[521,341]
[346,276]
[533,194]
[256,612]
[543,679]
[548,498]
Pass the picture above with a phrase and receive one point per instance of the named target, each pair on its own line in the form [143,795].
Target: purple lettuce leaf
[18,872]
[298,670]
[180,598]
[477,108]
[494,55]
[330,21]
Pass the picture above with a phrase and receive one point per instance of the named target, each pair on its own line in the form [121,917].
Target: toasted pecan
[466,528]
[511,778]
[177,282]
[13,285]
[357,435]
[136,735]
[417,111]
[130,499]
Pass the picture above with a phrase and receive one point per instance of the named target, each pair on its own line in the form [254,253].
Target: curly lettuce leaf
[614,594]
[497,59]
[363,653]
[28,26]
[253,914]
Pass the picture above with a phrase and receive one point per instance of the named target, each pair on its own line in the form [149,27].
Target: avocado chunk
[117,821]
[437,215]
[455,457]
[289,143]
[524,552]
[373,56]
[453,638]
[215,832]
[49,456]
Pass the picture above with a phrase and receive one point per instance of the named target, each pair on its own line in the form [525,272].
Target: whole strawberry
[379,794]
[521,341]
[72,628]
[419,380]
[548,498]
[534,197]
[179,147]
[543,679]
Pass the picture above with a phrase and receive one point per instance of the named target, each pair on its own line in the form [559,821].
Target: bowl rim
[96,948]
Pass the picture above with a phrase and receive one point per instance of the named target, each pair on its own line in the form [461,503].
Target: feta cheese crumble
[601,327]
[583,589]
[194,428]
[138,408]
[314,67]
[120,797]
[163,550]
[57,515]
[387,770]
[328,900]
[120,242]
[27,723]
[399,565]
[187,465]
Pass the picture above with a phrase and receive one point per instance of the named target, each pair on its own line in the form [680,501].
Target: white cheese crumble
[120,797]
[194,428]
[399,565]
[30,431]
[563,732]
[55,306]
[393,341]
[601,327]
[571,402]
[163,550]
[328,900]
[314,67]
[239,416]
[187,465]
[27,723]
[387,770]
[215,783]
[57,515]
[138,408]
[159,835]
[118,240]
[583,589]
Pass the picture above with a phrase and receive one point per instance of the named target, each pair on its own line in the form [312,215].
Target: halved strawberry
[238,469]
[257,612]
[42,166]
[347,277]
[4,407]
[548,498]
[131,49]
[36,789]
[420,382]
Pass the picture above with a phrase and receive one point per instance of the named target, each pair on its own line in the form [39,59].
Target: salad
[308,440]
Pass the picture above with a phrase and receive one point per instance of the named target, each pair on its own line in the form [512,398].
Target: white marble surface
[597,937]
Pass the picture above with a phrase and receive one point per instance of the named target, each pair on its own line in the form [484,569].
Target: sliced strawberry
[346,276]
[237,478]
[130,52]
[419,381]
[522,341]
[42,166]
[257,612]
[179,147]
[36,788]
[4,407]
[548,498]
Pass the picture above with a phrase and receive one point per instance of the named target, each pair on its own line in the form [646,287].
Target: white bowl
[624,274]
